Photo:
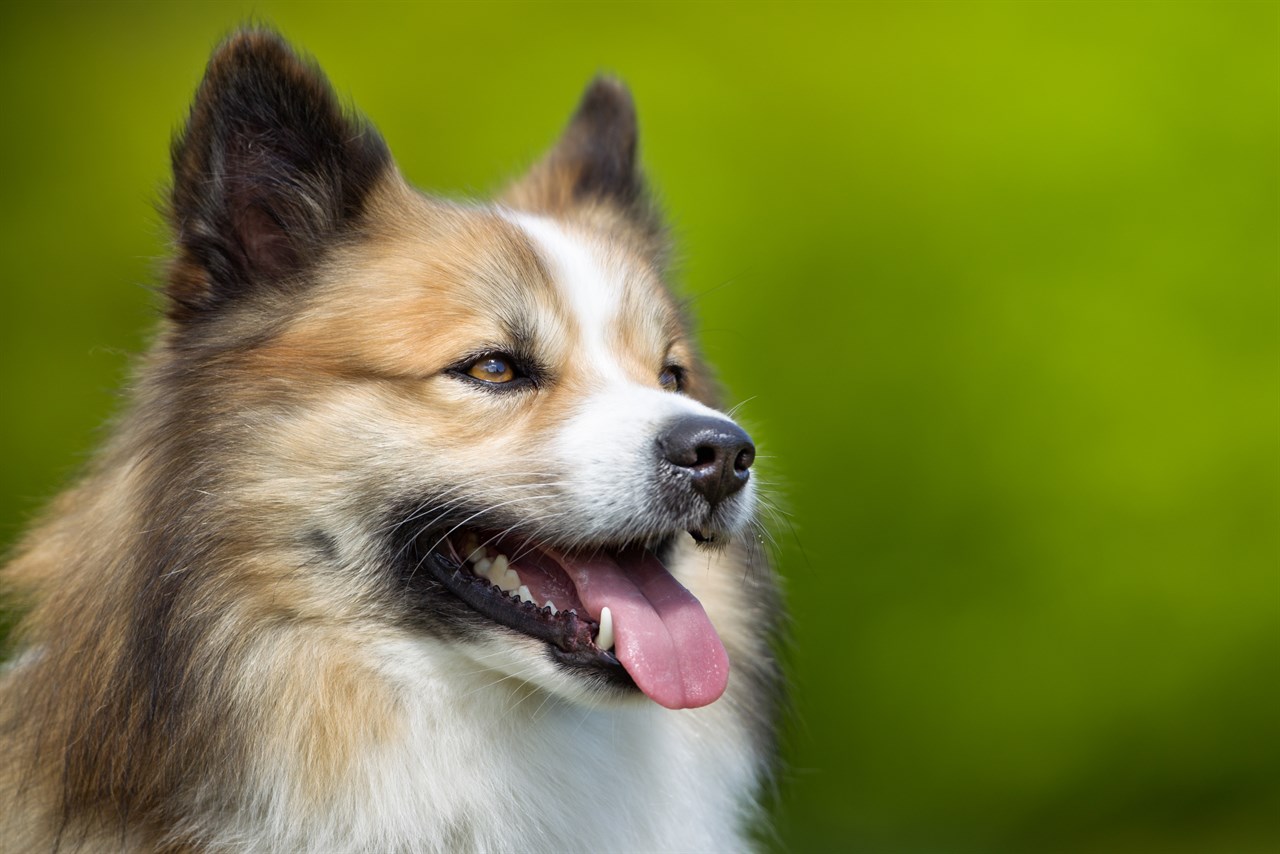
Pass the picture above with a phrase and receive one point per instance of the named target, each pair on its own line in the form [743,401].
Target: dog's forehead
[607,294]
[477,260]
[591,287]
[434,282]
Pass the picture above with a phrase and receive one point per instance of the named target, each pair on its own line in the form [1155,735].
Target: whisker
[463,523]
[733,411]
[444,511]
[467,484]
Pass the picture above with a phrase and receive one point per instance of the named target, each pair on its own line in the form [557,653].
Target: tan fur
[219,534]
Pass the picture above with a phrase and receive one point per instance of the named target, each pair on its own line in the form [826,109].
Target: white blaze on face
[594,293]
[607,449]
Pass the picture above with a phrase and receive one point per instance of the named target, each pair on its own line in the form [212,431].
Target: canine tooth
[476,555]
[525,595]
[508,580]
[552,606]
[469,544]
[500,565]
[604,639]
[482,566]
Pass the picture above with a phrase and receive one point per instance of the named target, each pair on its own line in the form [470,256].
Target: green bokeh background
[997,282]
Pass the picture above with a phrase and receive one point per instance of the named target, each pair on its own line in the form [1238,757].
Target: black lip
[567,631]
[569,636]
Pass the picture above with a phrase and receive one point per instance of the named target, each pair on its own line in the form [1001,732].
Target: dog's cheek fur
[160,627]
[216,653]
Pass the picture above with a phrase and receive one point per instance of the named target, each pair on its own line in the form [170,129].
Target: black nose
[715,452]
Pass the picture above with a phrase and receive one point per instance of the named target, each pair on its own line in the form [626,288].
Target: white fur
[610,439]
[496,749]
[592,289]
[485,763]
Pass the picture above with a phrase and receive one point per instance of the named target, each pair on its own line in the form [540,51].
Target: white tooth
[508,581]
[604,639]
[524,594]
[482,566]
[500,565]
[552,606]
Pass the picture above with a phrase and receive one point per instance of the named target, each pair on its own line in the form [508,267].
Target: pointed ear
[267,173]
[594,162]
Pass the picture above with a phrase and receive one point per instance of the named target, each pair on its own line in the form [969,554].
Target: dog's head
[485,423]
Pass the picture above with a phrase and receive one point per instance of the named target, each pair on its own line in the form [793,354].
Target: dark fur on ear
[267,172]
[594,162]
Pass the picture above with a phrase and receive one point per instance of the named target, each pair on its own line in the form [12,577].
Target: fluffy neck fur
[156,706]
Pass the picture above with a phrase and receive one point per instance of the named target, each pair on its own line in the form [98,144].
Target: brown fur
[180,599]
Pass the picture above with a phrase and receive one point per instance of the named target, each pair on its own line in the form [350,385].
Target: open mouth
[615,610]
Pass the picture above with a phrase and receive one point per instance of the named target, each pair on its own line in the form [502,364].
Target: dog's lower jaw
[572,603]
[490,746]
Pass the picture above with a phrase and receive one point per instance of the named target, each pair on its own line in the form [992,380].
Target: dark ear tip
[255,50]
[250,42]
[235,76]
[607,102]
[594,162]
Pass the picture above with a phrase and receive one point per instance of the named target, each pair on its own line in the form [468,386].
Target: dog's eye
[498,371]
[672,378]
[495,368]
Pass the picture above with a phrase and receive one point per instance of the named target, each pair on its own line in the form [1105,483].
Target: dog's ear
[594,163]
[267,173]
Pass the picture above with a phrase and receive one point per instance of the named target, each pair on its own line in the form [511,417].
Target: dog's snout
[716,453]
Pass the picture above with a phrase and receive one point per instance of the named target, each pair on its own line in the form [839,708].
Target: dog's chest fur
[477,766]
[277,612]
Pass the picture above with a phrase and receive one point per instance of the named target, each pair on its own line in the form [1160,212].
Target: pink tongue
[662,635]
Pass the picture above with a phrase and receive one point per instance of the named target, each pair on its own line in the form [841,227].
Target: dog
[422,530]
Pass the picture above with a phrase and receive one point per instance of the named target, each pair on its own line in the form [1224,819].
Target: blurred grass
[998,281]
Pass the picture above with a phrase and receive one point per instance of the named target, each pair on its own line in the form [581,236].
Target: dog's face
[485,423]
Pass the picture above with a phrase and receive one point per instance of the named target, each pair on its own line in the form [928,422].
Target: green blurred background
[998,282]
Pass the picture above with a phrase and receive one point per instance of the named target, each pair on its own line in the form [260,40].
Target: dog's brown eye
[671,378]
[492,369]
